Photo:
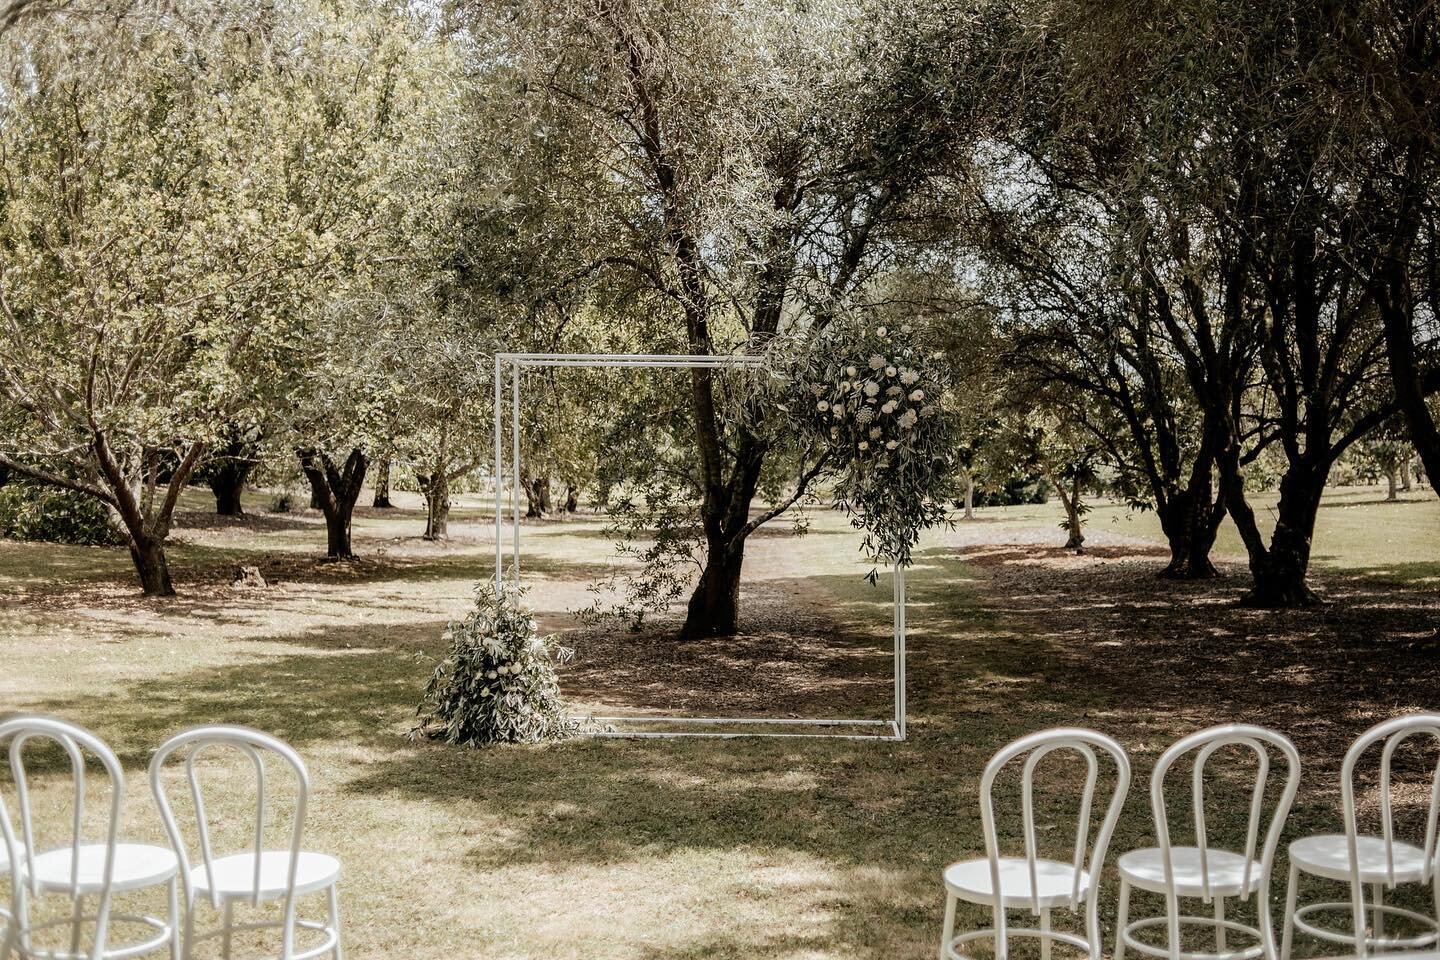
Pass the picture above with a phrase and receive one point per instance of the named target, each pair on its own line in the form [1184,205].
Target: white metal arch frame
[510,366]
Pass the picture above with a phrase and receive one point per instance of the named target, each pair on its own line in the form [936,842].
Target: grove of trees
[1182,252]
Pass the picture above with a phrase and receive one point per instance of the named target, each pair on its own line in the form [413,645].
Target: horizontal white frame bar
[892,737]
[792,721]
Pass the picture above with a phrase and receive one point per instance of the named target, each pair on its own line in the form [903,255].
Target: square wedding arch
[511,366]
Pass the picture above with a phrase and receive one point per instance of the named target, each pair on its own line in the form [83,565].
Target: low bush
[497,684]
[52,515]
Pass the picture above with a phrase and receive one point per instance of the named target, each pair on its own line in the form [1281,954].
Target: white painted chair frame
[253,744]
[1035,747]
[1392,732]
[1207,742]
[21,852]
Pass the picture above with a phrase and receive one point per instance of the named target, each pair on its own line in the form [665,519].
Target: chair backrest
[254,746]
[1204,744]
[1391,733]
[21,847]
[1033,749]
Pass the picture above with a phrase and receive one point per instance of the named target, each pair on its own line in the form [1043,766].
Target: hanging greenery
[497,684]
[872,397]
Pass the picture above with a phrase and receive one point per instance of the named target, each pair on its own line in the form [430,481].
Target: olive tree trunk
[337,488]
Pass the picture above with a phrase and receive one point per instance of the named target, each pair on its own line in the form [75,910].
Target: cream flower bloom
[917,395]
[823,405]
[889,407]
[871,388]
[891,444]
[889,371]
[876,362]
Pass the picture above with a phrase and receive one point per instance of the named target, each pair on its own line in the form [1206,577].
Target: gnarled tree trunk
[382,486]
[436,488]
[227,478]
[336,489]
[148,555]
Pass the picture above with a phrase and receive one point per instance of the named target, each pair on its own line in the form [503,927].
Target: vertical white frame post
[513,365]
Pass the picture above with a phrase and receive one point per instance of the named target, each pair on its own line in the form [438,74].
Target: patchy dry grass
[706,849]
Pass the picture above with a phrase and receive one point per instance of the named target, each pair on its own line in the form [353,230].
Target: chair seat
[1328,855]
[137,865]
[1054,881]
[1146,869]
[234,876]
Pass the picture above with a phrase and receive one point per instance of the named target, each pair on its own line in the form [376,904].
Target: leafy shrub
[497,684]
[53,515]
[283,502]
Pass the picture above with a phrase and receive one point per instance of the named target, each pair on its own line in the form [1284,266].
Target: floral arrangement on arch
[873,398]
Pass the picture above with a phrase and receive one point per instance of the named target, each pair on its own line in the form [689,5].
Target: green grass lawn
[642,849]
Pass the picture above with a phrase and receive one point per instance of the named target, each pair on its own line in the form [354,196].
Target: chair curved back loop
[1392,733]
[75,742]
[1204,744]
[253,745]
[1034,748]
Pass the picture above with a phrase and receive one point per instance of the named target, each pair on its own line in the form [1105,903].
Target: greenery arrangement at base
[53,515]
[497,684]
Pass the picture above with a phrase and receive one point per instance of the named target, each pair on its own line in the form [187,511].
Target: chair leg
[187,946]
[226,929]
[1045,933]
[77,923]
[1377,911]
[1287,930]
[947,929]
[1122,919]
[339,952]
[1219,924]
[1002,934]
[174,919]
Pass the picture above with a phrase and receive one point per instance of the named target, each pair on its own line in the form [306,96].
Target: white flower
[864,415]
[889,407]
[490,674]
[889,371]
[892,392]
[839,409]
[503,671]
[823,405]
[908,418]
[850,371]
[905,328]
[917,395]
[844,385]
[484,691]
[881,332]
[876,362]
[891,444]
[908,377]
[818,389]
[875,433]
[864,445]
[871,388]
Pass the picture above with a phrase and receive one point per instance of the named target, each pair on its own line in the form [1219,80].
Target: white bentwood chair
[1012,883]
[78,869]
[1381,862]
[254,875]
[1202,871]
